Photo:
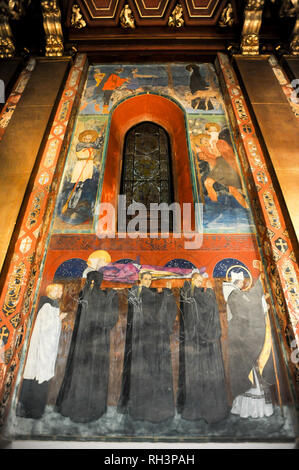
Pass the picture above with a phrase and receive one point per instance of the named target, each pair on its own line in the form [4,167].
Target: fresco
[81,177]
[142,338]
[216,175]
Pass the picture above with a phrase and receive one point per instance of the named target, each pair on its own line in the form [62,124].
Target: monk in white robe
[42,354]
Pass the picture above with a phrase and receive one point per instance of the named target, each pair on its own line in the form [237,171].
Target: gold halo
[100,254]
[212,124]
[91,132]
[245,269]
[196,139]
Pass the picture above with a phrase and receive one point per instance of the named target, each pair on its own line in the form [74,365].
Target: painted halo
[240,267]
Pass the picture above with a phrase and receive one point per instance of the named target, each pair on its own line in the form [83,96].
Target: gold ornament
[77,20]
[52,27]
[127,20]
[251,27]
[176,19]
[227,16]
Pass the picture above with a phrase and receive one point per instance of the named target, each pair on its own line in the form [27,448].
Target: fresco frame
[25,266]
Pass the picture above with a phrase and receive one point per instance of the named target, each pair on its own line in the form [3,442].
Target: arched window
[146,170]
[129,113]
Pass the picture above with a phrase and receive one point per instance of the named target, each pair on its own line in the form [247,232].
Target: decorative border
[110,12]
[16,297]
[15,95]
[277,248]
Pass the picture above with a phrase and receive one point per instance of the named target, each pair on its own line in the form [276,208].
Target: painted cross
[281,245]
[25,244]
[247,129]
[4,333]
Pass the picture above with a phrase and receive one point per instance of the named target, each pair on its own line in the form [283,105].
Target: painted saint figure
[147,382]
[83,393]
[222,167]
[202,385]
[79,193]
[100,260]
[247,315]
[88,142]
[42,355]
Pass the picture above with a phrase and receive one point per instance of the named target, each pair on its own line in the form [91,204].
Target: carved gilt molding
[227,16]
[252,23]
[290,9]
[294,45]
[126,18]
[52,27]
[77,20]
[7,47]
[9,9]
[176,19]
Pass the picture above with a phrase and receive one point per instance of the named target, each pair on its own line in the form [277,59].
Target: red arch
[167,114]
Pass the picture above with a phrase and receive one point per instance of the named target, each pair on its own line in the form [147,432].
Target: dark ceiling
[103,36]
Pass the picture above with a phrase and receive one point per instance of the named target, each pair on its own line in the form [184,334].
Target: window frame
[157,109]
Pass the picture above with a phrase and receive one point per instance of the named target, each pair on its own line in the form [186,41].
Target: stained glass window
[146,171]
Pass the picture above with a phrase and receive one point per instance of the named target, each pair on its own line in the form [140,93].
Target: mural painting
[140,336]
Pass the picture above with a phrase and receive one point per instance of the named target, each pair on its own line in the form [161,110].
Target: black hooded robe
[197,83]
[147,382]
[202,386]
[83,393]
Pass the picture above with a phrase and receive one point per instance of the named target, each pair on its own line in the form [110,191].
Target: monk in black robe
[197,83]
[83,393]
[202,387]
[147,383]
